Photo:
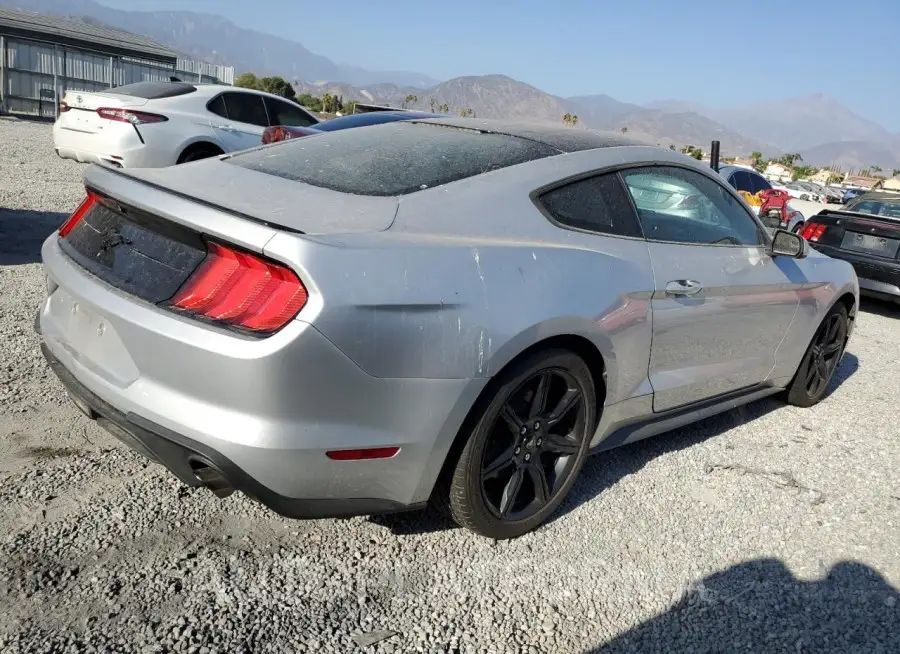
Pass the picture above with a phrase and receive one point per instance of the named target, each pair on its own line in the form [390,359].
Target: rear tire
[527,447]
[821,360]
[198,152]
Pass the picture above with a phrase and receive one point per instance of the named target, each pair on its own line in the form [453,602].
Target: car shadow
[605,469]
[22,231]
[760,607]
[879,307]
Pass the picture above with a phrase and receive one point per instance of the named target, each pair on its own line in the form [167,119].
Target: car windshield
[392,159]
[888,207]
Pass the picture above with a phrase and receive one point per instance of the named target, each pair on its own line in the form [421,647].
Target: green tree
[277,86]
[310,102]
[432,103]
[692,151]
[834,178]
[248,81]
[789,159]
[574,119]
[410,100]
[875,170]
[567,118]
[895,172]
[757,161]
[803,171]
[624,130]
[672,147]
[444,108]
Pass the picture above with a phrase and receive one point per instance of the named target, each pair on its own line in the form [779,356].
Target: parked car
[753,183]
[851,193]
[798,192]
[450,309]
[865,233]
[157,124]
[284,132]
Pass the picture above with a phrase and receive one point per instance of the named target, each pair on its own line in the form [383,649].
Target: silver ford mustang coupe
[457,310]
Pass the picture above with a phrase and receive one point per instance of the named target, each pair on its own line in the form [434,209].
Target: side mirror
[789,244]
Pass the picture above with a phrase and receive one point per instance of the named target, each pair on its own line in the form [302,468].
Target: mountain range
[824,131]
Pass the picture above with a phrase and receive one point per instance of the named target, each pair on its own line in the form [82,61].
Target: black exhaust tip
[213,479]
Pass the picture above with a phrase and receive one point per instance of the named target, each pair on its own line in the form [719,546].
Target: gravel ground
[769,528]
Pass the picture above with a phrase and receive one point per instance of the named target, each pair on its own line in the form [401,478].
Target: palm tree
[895,172]
[574,119]
[672,147]
[624,130]
[567,118]
[410,99]
[432,103]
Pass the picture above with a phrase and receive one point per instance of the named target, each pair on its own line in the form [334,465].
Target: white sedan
[799,192]
[157,124]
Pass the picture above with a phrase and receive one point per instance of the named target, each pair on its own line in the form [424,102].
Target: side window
[597,204]
[683,206]
[246,108]
[287,114]
[741,181]
[217,106]
[758,183]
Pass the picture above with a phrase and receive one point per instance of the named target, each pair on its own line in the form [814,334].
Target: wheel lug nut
[528,457]
[539,441]
[523,430]
[518,450]
[537,426]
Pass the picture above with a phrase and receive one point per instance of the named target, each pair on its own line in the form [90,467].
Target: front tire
[821,360]
[527,447]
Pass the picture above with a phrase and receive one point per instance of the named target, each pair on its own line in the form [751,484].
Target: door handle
[683,287]
[226,128]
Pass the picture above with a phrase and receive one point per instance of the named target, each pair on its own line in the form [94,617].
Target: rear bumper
[264,412]
[121,147]
[196,464]
[877,277]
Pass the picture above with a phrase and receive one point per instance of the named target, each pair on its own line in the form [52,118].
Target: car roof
[559,137]
[727,170]
[880,196]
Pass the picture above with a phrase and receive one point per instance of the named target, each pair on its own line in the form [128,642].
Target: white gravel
[767,529]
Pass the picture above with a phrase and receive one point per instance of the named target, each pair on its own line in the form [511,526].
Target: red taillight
[813,231]
[362,454]
[243,290]
[76,217]
[130,116]
[63,107]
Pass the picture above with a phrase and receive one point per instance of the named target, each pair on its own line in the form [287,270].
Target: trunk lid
[82,106]
[271,200]
[877,236]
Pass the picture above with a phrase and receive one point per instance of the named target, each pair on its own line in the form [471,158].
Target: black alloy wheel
[530,450]
[527,448]
[821,359]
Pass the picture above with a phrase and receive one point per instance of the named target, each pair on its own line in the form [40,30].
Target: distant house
[892,184]
[858,181]
[822,176]
[777,172]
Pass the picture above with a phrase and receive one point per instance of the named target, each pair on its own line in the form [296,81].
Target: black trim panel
[177,452]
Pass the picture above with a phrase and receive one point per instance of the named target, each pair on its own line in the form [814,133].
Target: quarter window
[677,205]
[287,114]
[597,204]
[217,106]
[246,108]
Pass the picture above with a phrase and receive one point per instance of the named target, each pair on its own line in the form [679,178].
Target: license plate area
[870,244]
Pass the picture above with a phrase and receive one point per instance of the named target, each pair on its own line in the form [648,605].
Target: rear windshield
[391,159]
[154,90]
[889,208]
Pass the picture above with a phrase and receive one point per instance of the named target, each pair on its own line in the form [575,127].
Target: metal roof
[77,33]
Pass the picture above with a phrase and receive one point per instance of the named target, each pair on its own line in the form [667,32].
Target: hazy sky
[720,52]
